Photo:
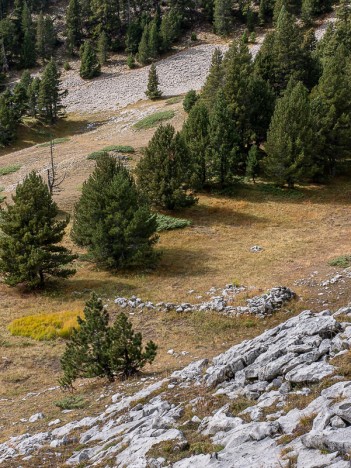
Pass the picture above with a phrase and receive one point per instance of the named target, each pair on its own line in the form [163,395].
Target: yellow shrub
[45,326]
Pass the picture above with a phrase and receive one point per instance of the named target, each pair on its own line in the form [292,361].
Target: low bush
[119,149]
[154,119]
[96,154]
[9,169]
[71,402]
[44,327]
[57,141]
[168,223]
[344,261]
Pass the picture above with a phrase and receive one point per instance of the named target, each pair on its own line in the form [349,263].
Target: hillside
[249,299]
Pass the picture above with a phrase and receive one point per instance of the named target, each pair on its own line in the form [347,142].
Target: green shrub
[96,154]
[71,402]
[9,169]
[67,66]
[168,223]
[190,100]
[344,261]
[57,141]
[131,61]
[119,149]
[43,327]
[2,197]
[193,37]
[154,119]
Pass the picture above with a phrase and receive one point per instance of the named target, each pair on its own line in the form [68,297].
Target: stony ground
[279,400]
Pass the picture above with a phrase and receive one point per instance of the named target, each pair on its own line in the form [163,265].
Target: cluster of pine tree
[26,34]
[284,115]
[36,97]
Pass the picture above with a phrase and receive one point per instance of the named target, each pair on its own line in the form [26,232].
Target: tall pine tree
[29,244]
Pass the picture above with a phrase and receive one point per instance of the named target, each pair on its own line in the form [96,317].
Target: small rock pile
[261,306]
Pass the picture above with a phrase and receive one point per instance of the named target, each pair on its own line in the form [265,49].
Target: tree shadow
[180,262]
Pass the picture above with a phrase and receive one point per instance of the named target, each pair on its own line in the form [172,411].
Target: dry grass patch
[45,326]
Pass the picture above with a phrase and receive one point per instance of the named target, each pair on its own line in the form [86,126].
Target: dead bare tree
[54,182]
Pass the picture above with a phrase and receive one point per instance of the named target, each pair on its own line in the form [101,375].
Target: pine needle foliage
[113,220]
[30,234]
[96,349]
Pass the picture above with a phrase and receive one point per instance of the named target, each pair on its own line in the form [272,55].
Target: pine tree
[262,13]
[222,20]
[29,250]
[126,352]
[291,141]
[332,109]
[223,143]
[165,169]
[28,55]
[153,91]
[97,350]
[40,36]
[73,26]
[238,69]
[252,163]
[133,37]
[8,119]
[196,136]
[50,97]
[102,48]
[87,351]
[49,37]
[170,28]
[90,66]
[154,39]
[214,80]
[190,100]
[283,55]
[144,46]
[112,220]
[33,95]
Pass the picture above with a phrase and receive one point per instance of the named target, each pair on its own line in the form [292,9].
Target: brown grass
[300,232]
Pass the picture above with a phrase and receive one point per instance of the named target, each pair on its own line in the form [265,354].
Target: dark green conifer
[50,95]
[190,100]
[112,220]
[214,80]
[291,140]
[153,91]
[73,26]
[89,66]
[196,136]
[96,349]
[165,170]
[29,250]
[102,47]
[223,143]
[222,20]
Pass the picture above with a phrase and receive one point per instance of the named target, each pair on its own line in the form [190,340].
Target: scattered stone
[36,417]
[256,248]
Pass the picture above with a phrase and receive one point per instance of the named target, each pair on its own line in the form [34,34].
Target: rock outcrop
[277,401]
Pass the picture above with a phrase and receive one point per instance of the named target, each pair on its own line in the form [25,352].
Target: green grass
[174,100]
[9,169]
[96,154]
[2,197]
[57,141]
[279,192]
[71,402]
[168,223]
[119,149]
[44,327]
[344,261]
[154,119]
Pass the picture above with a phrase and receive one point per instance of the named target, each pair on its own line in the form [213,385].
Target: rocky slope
[275,401]
[178,73]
